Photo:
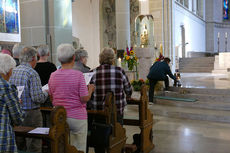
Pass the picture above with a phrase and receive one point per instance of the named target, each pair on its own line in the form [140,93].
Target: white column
[144,7]
[122,23]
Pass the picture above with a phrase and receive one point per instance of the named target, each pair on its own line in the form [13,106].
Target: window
[226,9]
[185,3]
[199,7]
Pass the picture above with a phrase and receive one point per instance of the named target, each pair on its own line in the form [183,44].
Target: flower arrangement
[138,83]
[130,58]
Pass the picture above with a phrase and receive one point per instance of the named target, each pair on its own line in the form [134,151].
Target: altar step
[211,104]
[196,64]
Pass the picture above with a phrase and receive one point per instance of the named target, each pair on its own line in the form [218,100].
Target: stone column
[145,57]
[52,24]
[122,23]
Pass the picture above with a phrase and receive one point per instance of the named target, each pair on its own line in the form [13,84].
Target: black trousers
[100,149]
[152,84]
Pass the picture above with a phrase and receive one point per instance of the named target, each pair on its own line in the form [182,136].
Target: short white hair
[6,63]
[43,50]
[17,49]
[80,53]
[27,54]
[65,53]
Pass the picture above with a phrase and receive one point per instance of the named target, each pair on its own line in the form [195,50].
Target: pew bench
[144,121]
[58,134]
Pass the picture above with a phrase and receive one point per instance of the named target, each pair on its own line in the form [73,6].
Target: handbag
[100,133]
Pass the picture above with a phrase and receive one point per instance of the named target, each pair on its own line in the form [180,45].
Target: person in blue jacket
[158,72]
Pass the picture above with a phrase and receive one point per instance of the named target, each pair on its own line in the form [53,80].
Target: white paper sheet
[88,77]
[20,90]
[40,130]
[45,88]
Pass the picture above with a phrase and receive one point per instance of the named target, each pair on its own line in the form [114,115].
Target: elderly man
[108,78]
[81,60]
[16,51]
[10,110]
[32,96]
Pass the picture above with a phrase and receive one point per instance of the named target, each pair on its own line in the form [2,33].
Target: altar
[222,63]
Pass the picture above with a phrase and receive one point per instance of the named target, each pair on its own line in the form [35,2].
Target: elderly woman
[10,110]
[107,78]
[16,52]
[44,67]
[81,60]
[67,88]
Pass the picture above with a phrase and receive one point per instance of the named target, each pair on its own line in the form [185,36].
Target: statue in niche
[144,38]
[134,12]
[109,23]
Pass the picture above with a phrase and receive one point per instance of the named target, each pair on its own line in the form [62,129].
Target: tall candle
[218,35]
[226,35]
[119,62]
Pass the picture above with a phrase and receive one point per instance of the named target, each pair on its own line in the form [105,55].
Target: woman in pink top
[67,88]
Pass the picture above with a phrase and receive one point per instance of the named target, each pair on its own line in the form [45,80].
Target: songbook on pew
[40,130]
[88,77]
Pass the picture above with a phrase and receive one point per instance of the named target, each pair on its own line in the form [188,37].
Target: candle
[161,48]
[218,35]
[119,62]
[226,35]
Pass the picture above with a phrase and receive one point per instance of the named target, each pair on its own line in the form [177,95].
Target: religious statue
[144,38]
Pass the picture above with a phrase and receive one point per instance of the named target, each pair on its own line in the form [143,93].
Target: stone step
[200,91]
[200,97]
[195,71]
[198,104]
[191,113]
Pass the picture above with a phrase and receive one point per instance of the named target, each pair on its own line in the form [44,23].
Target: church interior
[191,116]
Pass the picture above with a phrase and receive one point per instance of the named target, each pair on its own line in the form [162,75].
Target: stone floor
[205,80]
[172,135]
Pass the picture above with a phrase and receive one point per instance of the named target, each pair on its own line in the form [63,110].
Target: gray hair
[17,49]
[6,63]
[65,53]
[43,50]
[107,56]
[80,53]
[27,54]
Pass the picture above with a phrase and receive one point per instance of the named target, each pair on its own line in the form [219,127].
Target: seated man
[158,72]
[10,109]
[32,96]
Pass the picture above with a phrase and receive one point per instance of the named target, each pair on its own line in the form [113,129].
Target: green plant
[137,84]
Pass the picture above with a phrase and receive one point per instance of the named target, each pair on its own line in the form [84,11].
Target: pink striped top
[66,86]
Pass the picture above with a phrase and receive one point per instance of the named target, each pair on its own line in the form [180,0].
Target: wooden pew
[118,137]
[145,121]
[58,134]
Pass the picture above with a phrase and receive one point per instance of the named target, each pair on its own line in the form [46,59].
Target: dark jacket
[159,70]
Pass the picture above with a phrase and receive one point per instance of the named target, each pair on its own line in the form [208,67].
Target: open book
[88,77]
[40,130]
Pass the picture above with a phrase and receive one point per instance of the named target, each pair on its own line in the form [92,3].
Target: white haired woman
[67,88]
[10,110]
[108,78]
[81,60]
[44,67]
